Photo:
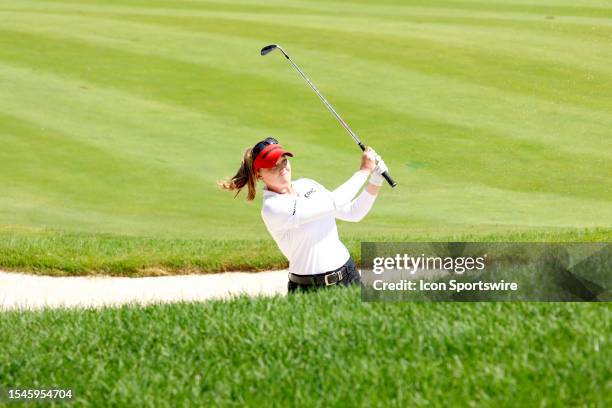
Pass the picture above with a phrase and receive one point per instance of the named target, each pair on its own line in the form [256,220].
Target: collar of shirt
[270,193]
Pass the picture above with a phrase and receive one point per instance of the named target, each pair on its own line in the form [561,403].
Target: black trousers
[350,276]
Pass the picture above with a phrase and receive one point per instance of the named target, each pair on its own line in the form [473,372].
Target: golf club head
[268,49]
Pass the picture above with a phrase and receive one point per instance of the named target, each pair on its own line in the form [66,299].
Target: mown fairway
[275,351]
[118,117]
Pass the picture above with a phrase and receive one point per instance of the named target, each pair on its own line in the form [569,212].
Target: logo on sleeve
[309,192]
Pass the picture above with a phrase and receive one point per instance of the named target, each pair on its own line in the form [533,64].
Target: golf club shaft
[331,108]
[386,175]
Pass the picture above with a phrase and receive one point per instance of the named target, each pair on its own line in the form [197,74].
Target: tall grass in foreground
[317,349]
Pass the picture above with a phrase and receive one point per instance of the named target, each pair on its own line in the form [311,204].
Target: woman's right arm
[290,212]
[345,193]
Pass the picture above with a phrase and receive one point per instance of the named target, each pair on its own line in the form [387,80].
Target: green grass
[65,254]
[262,352]
[118,117]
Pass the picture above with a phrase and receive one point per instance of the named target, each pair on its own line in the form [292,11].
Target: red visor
[267,158]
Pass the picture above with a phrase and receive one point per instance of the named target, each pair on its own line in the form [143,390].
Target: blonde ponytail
[243,177]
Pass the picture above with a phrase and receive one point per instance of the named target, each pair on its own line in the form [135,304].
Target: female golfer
[301,215]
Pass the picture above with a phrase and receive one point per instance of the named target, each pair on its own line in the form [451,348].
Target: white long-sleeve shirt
[304,225]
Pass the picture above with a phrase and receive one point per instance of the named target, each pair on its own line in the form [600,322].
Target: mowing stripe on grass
[507,110]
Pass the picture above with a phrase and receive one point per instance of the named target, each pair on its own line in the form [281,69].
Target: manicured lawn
[118,117]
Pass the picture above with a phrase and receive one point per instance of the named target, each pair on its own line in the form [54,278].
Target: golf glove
[376,177]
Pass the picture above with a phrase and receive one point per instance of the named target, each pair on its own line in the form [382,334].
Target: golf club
[269,48]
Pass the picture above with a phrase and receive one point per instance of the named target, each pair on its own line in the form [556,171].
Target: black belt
[327,278]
